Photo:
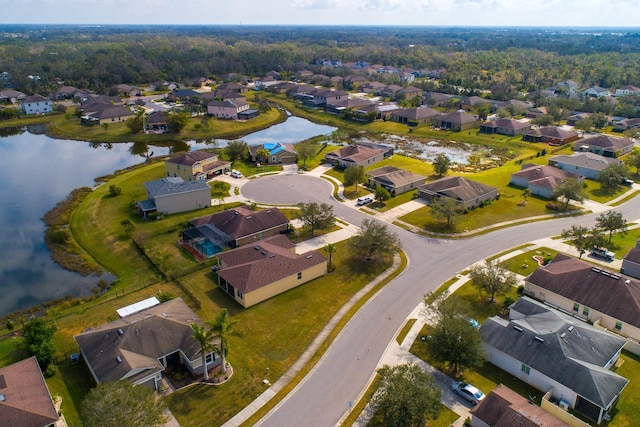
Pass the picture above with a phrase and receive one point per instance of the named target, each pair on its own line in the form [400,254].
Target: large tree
[39,338]
[316,216]
[237,150]
[176,121]
[455,342]
[492,278]
[306,150]
[381,194]
[441,164]
[204,334]
[406,397]
[118,404]
[373,241]
[612,176]
[583,238]
[633,160]
[446,209]
[354,175]
[611,221]
[223,329]
[569,189]
[330,248]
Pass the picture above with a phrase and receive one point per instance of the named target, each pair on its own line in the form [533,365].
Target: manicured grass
[524,264]
[394,201]
[72,382]
[405,330]
[594,192]
[626,413]
[12,349]
[621,244]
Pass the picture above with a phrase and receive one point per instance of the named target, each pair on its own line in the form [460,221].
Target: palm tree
[204,338]
[223,329]
[330,249]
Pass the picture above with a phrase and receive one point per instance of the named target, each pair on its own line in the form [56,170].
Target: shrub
[115,190]
[50,371]
[165,296]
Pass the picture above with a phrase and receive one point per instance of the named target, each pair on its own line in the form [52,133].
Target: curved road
[322,397]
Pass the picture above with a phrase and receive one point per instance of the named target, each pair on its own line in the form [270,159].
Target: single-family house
[11,96]
[470,102]
[596,92]
[351,104]
[375,111]
[64,92]
[411,92]
[229,109]
[279,153]
[393,179]
[433,99]
[556,353]
[25,401]
[631,262]
[552,135]
[568,86]
[36,104]
[303,74]
[142,345]
[505,126]
[253,273]
[586,164]
[456,122]
[221,95]
[467,192]
[156,122]
[573,119]
[196,165]
[232,87]
[281,87]
[515,106]
[372,87]
[324,97]
[184,95]
[414,116]
[536,112]
[591,293]
[503,407]
[128,90]
[264,82]
[355,155]
[605,145]
[232,228]
[627,90]
[300,89]
[541,180]
[173,194]
[626,124]
[391,91]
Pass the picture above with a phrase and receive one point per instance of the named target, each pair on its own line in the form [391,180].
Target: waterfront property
[355,155]
[173,194]
[36,104]
[196,165]
[278,152]
[253,273]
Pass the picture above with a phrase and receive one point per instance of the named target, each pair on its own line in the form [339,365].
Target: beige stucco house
[172,195]
[466,192]
[254,273]
[228,109]
[279,153]
[395,180]
[196,165]
[355,155]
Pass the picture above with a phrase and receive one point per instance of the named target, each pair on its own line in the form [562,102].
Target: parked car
[602,253]
[467,392]
[236,173]
[628,182]
[364,200]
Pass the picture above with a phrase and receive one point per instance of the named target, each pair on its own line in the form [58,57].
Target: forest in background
[526,59]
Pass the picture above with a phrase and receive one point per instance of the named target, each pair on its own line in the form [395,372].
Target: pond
[40,172]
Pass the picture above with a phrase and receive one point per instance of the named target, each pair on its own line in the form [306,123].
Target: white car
[467,392]
[236,173]
[364,200]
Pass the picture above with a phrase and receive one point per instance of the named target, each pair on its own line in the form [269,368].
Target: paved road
[345,369]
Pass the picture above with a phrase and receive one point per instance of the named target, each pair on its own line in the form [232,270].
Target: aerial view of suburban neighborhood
[286,225]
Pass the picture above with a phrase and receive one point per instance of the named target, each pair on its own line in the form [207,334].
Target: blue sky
[609,13]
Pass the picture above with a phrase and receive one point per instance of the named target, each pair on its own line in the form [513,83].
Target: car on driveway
[364,200]
[236,173]
[467,392]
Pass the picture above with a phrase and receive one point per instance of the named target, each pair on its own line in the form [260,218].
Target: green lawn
[626,413]
[12,349]
[524,264]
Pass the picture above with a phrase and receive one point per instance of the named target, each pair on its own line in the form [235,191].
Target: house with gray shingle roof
[457,121]
[196,165]
[139,347]
[395,180]
[414,116]
[542,180]
[355,155]
[172,195]
[36,104]
[587,164]
[505,126]
[556,353]
[254,273]
[590,293]
[631,262]
[26,401]
[605,145]
[228,109]
[467,192]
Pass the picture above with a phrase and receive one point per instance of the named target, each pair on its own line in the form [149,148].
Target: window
[576,307]
[210,358]
[299,275]
[619,326]
[239,294]
[585,311]
[526,369]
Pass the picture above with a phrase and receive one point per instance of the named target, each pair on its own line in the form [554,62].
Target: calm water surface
[39,172]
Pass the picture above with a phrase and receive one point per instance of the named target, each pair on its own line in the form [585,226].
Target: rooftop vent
[120,332]
[118,359]
[570,328]
[256,247]
[517,328]
[263,252]
[269,211]
[3,397]
[564,334]
[627,281]
[614,276]
[309,256]
[164,314]
[249,217]
[596,269]
[605,273]
[272,255]
[537,338]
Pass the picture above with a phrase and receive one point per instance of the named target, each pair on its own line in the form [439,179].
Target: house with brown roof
[605,145]
[466,192]
[264,82]
[324,97]
[626,124]
[414,116]
[542,180]
[355,155]
[503,407]
[228,109]
[436,98]
[142,345]
[509,127]
[156,122]
[394,180]
[254,273]
[232,87]
[25,400]
[457,121]
[11,96]
[536,112]
[411,92]
[470,102]
[593,294]
[586,164]
[234,227]
[552,135]
[627,90]
[279,152]
[372,87]
[196,165]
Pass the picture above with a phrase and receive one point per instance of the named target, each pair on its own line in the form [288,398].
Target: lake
[40,172]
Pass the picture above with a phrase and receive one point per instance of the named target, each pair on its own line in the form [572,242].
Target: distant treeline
[98,58]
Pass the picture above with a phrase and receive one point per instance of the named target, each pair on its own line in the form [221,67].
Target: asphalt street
[323,397]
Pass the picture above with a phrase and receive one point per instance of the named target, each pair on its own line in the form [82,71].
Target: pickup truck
[602,253]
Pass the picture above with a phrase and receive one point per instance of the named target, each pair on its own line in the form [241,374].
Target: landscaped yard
[524,264]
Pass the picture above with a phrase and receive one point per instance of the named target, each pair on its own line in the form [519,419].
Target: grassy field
[524,264]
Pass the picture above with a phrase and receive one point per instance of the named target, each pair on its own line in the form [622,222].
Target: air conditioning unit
[563,405]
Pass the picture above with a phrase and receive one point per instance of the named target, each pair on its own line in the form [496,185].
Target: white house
[627,90]
[173,194]
[228,109]
[36,104]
